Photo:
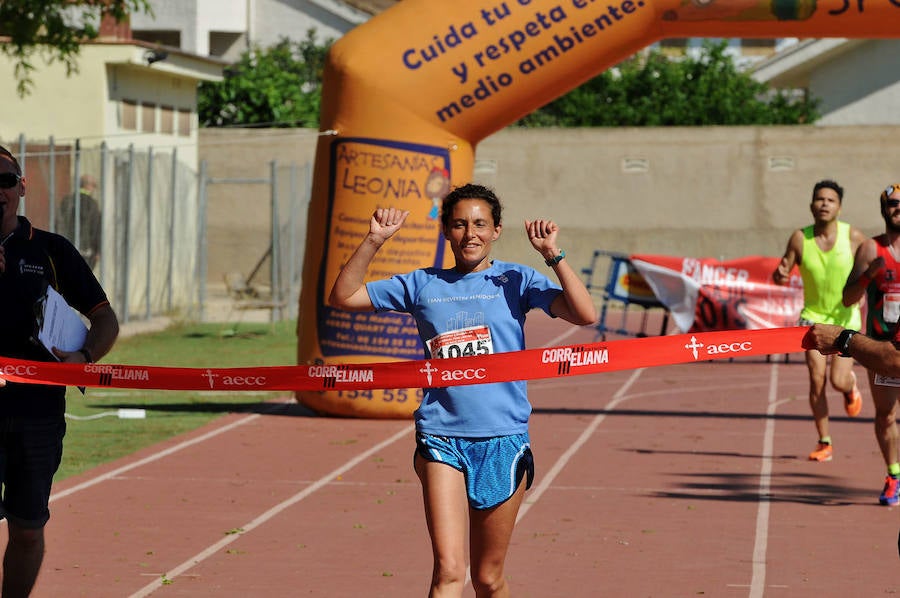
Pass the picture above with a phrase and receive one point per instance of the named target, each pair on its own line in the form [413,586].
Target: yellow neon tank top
[824,274]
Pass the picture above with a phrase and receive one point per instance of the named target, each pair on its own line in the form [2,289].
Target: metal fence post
[291,241]
[276,248]
[104,243]
[23,148]
[126,253]
[201,240]
[173,203]
[148,273]
[76,195]
[51,184]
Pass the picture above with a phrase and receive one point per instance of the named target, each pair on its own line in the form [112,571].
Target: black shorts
[30,453]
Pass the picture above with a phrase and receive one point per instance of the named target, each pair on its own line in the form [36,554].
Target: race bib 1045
[465,342]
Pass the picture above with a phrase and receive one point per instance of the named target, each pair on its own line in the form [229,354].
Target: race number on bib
[465,342]
[891,308]
[886,380]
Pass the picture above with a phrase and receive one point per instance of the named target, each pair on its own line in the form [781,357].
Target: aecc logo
[19,370]
[696,346]
[458,375]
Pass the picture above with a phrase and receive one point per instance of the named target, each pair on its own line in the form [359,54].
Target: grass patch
[91,442]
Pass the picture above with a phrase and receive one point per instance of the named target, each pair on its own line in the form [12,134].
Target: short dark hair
[829,184]
[470,191]
[6,152]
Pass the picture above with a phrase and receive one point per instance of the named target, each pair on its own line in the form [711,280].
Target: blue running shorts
[493,467]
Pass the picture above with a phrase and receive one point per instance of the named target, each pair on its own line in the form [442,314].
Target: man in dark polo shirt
[32,416]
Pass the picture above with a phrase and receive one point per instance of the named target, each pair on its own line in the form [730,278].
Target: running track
[686,480]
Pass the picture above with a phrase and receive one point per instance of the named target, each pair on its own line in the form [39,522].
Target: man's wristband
[555,260]
[86,354]
[842,342]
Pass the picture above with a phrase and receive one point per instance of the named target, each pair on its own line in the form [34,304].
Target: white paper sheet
[61,326]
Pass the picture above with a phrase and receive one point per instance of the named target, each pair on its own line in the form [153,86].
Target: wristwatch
[555,260]
[842,342]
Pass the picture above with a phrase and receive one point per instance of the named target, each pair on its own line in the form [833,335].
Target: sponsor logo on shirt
[30,268]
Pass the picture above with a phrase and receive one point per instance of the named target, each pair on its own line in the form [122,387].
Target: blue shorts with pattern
[493,467]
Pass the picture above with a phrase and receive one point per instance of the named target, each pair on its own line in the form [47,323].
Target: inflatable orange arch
[409,94]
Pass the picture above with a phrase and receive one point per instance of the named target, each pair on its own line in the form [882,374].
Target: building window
[128,115]
[673,42]
[673,47]
[148,118]
[158,37]
[167,120]
[752,46]
[184,123]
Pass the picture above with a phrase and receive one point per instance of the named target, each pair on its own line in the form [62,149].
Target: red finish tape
[530,364]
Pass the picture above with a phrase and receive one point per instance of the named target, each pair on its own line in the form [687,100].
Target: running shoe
[823,452]
[853,399]
[890,496]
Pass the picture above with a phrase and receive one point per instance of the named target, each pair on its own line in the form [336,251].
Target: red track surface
[674,481]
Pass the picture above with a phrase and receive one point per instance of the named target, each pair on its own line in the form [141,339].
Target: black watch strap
[842,342]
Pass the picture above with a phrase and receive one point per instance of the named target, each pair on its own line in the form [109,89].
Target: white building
[745,52]
[225,28]
[857,80]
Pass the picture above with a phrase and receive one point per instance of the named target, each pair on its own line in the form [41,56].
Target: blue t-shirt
[472,314]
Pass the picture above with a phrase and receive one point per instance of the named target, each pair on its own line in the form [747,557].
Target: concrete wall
[721,192]
[239,214]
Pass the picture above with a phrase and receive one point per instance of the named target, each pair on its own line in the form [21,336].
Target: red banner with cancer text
[708,294]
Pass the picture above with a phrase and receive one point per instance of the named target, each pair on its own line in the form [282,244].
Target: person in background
[876,273]
[89,218]
[32,416]
[473,452]
[823,252]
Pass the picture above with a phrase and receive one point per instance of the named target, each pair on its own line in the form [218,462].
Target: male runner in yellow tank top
[823,251]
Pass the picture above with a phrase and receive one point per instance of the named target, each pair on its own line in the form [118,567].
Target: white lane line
[758,579]
[535,495]
[154,457]
[247,527]
[556,340]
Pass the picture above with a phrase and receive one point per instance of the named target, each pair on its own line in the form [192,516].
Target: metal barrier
[612,276]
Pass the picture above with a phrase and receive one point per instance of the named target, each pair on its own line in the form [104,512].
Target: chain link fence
[152,250]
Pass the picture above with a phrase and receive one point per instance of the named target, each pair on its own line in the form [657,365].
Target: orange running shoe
[890,496]
[853,399]
[823,452]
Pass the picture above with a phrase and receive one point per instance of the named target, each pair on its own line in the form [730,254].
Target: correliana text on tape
[530,364]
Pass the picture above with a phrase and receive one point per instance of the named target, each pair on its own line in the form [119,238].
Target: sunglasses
[892,203]
[8,180]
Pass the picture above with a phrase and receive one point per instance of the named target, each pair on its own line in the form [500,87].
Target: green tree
[278,86]
[54,29]
[654,90]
